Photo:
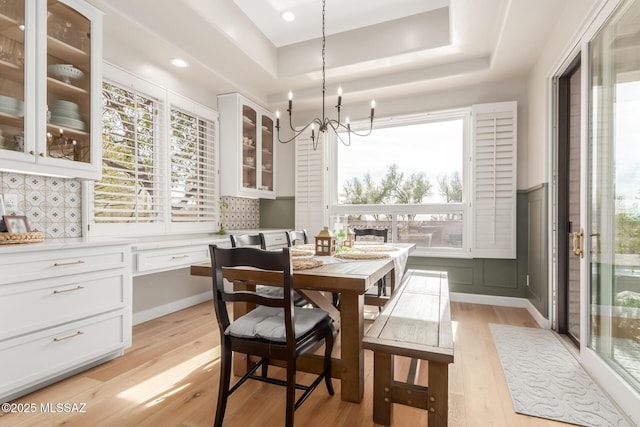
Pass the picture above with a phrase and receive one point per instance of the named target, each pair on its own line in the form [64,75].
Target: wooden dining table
[351,279]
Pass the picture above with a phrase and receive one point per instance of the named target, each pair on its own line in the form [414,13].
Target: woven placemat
[306,263]
[376,248]
[298,252]
[362,255]
[307,247]
[371,242]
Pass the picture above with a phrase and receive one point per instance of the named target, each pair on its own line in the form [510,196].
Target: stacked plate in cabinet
[67,114]
[13,106]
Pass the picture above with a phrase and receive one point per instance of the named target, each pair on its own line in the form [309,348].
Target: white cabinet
[64,306]
[247,148]
[155,255]
[50,97]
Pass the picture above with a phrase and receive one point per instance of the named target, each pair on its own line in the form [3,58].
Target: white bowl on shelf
[65,72]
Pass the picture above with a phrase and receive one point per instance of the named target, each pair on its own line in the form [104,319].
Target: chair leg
[328,348]
[291,391]
[225,378]
[335,296]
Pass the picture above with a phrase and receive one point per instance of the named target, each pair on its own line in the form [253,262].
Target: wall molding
[162,310]
[501,301]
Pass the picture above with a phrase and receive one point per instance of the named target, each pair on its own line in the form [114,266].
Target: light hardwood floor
[170,378]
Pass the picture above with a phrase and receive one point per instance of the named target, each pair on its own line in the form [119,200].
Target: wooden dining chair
[275,329]
[240,240]
[297,236]
[258,240]
[376,233]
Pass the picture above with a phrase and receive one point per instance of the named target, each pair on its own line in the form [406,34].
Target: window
[193,169]
[445,181]
[159,162]
[409,177]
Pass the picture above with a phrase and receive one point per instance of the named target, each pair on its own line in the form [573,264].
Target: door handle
[578,241]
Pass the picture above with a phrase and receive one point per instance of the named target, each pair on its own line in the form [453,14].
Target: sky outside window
[434,148]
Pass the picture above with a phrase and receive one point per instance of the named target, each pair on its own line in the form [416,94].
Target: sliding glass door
[613,208]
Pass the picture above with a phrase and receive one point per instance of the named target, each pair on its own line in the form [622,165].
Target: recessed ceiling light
[288,16]
[180,63]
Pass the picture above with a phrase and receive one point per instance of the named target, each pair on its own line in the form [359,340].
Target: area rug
[546,381]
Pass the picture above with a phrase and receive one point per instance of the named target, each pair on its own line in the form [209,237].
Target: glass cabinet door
[68,84]
[12,74]
[249,147]
[267,154]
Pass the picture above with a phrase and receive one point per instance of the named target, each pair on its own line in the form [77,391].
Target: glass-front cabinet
[50,75]
[247,148]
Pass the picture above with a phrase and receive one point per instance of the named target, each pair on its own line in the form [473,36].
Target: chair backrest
[242,240]
[371,232]
[269,268]
[296,236]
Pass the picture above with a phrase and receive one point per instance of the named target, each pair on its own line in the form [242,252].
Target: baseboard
[542,321]
[502,302]
[162,310]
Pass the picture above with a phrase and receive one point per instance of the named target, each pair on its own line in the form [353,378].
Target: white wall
[562,40]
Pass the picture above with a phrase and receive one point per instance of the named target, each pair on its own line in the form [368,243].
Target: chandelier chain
[324,44]
[324,123]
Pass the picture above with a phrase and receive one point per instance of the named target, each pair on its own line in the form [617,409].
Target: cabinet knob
[42,155]
[33,153]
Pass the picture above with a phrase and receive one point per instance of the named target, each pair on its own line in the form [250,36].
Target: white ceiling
[341,16]
[385,49]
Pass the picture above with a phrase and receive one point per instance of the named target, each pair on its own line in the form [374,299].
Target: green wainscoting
[506,277]
[538,247]
[476,276]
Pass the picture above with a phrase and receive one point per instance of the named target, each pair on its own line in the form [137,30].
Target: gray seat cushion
[268,323]
[278,292]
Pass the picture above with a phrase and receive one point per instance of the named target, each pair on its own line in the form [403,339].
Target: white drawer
[22,267]
[34,358]
[36,305]
[170,259]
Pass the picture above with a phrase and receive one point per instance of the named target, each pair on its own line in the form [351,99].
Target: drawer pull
[77,288]
[179,256]
[60,264]
[68,336]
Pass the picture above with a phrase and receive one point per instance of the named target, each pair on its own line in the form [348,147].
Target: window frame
[426,208]
[165,225]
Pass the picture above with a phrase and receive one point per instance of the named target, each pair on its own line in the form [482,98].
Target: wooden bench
[416,323]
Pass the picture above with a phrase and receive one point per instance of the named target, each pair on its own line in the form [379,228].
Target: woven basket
[17,238]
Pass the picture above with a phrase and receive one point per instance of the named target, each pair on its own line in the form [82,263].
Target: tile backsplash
[51,205]
[242,213]
[54,205]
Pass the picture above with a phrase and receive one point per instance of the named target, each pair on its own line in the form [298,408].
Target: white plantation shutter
[310,186]
[130,190]
[160,162]
[494,180]
[193,167]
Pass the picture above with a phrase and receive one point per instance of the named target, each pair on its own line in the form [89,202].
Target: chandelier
[324,123]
